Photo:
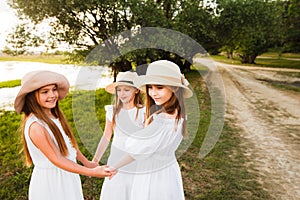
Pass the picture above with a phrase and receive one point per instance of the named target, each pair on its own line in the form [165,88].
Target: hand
[101,172]
[91,164]
[111,170]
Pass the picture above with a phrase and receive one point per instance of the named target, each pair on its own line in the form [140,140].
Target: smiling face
[47,96]
[160,93]
[126,93]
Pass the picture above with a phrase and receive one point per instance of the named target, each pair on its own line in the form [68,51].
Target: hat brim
[144,80]
[111,87]
[39,80]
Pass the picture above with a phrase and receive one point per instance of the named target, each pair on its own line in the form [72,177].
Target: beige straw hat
[123,78]
[37,79]
[164,72]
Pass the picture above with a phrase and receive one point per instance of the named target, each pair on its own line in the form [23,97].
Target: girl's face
[126,93]
[47,96]
[160,93]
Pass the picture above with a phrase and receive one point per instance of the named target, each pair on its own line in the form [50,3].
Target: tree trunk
[248,59]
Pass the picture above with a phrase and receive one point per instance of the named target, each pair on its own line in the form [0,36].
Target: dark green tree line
[246,28]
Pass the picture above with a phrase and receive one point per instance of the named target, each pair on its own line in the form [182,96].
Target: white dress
[158,175]
[127,122]
[49,182]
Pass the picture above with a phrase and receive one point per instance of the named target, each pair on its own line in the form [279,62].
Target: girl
[124,117]
[153,148]
[48,140]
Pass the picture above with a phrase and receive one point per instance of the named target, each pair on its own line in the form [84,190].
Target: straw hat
[164,72]
[123,78]
[37,79]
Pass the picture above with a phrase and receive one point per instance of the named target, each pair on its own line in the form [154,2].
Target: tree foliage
[21,40]
[247,28]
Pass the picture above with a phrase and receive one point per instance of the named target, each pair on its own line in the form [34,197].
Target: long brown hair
[137,101]
[31,106]
[175,103]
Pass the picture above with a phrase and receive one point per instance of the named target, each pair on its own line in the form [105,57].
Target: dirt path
[270,120]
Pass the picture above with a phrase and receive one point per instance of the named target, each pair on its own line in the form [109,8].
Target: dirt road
[270,122]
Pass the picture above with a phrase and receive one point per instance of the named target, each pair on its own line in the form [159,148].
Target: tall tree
[247,27]
[87,23]
[291,25]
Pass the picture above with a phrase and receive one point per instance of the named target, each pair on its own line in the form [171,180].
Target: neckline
[128,109]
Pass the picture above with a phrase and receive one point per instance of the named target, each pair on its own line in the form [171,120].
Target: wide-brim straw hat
[123,78]
[164,72]
[37,79]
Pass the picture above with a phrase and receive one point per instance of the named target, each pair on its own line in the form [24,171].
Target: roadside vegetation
[270,59]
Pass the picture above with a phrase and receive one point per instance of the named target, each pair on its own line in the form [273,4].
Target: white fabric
[49,182]
[119,188]
[157,171]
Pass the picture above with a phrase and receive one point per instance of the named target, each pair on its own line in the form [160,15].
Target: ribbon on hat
[184,81]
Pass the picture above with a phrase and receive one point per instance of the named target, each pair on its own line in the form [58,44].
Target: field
[225,173]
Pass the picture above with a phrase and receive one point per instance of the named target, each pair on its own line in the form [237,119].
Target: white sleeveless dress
[119,187]
[49,182]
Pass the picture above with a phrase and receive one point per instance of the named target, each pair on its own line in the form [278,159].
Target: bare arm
[41,139]
[104,141]
[84,160]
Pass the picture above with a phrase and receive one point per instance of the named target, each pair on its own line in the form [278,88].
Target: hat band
[176,80]
[124,81]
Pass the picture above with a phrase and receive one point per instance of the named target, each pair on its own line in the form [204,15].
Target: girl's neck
[128,106]
[171,115]
[49,113]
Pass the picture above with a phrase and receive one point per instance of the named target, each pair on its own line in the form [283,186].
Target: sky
[8,21]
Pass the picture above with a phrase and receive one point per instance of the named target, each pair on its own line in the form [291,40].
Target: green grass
[50,59]
[266,60]
[11,83]
[220,175]
[284,55]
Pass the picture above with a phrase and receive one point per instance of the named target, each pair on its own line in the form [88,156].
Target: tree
[291,25]
[197,19]
[247,27]
[85,24]
[21,40]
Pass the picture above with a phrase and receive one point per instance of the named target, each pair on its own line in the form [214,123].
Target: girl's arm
[124,161]
[80,157]
[41,139]
[104,141]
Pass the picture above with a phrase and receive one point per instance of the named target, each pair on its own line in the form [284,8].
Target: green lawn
[11,83]
[50,59]
[266,60]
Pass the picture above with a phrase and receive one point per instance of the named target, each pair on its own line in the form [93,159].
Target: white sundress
[119,187]
[158,175]
[49,182]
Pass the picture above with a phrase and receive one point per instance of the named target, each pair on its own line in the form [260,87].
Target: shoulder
[108,108]
[33,119]
[37,131]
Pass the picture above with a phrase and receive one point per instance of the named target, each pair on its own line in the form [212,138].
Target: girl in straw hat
[153,148]
[48,140]
[123,118]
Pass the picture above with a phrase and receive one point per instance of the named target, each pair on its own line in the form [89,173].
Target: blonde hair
[137,101]
[175,103]
[31,106]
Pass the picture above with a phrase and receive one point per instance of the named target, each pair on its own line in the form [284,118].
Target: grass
[9,84]
[284,55]
[50,59]
[266,60]
[220,175]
